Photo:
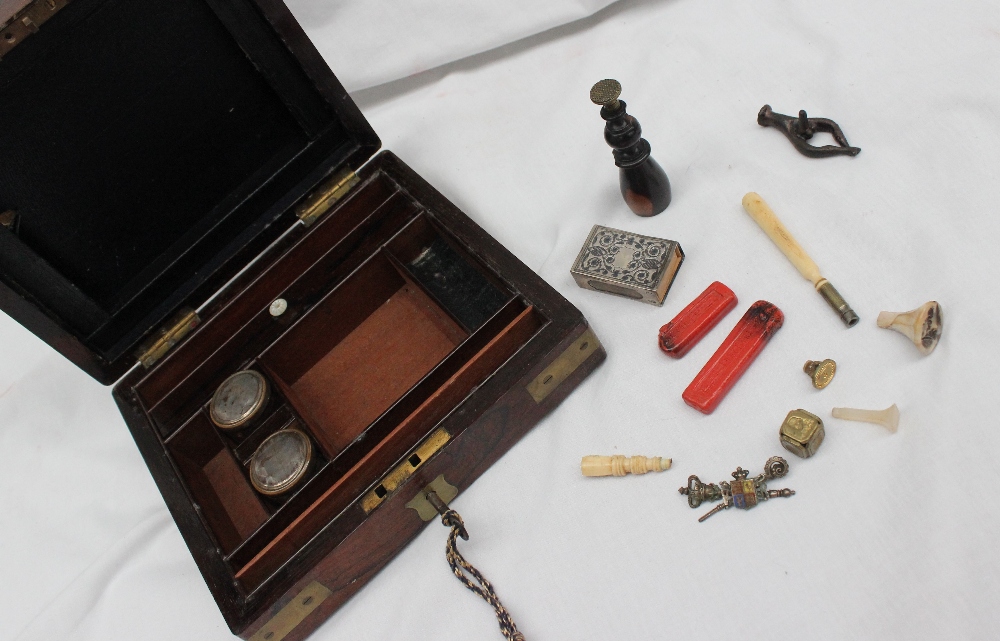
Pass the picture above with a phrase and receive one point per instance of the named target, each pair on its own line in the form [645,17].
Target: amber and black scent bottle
[643,182]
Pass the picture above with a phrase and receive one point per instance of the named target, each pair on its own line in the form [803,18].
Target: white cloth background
[889,536]
[376,41]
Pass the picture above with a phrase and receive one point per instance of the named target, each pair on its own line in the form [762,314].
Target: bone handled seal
[780,236]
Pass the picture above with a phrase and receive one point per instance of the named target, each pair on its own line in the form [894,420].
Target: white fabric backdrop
[376,41]
[889,536]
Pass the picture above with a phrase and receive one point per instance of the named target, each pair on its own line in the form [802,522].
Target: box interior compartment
[385,442]
[229,503]
[215,463]
[324,256]
[390,325]
[359,350]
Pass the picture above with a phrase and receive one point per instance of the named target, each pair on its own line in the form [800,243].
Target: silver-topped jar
[280,462]
[239,400]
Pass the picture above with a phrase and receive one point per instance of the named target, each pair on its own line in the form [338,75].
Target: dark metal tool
[799,130]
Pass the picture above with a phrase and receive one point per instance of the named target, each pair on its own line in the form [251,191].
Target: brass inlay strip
[26,22]
[445,491]
[395,478]
[158,347]
[293,614]
[560,369]
[321,200]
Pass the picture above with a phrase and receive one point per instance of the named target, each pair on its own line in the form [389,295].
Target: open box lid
[149,150]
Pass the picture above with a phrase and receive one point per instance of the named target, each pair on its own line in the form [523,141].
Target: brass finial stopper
[606,93]
[821,372]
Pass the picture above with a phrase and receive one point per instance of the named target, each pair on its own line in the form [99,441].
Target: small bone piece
[278,307]
[922,325]
[887,418]
[821,372]
[619,465]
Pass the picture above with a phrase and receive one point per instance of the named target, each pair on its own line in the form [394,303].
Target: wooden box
[171,169]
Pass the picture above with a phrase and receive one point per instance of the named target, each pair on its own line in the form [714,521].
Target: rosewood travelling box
[187,192]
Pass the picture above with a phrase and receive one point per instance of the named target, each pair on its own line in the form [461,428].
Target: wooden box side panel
[391,526]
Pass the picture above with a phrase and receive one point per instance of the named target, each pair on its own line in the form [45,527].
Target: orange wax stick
[697,319]
[733,357]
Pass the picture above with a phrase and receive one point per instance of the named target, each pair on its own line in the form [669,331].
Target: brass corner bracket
[564,365]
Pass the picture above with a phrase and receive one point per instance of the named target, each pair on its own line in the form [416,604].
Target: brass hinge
[320,201]
[395,478]
[157,347]
[26,22]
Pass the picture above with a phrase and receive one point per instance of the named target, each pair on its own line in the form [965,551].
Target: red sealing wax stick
[697,319]
[733,357]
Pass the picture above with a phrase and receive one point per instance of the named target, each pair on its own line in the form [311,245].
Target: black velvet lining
[144,142]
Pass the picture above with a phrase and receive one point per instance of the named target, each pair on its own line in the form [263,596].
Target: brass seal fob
[643,182]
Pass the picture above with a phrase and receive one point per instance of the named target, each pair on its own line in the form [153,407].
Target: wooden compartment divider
[449,276]
[388,450]
[228,502]
[244,445]
[359,350]
[374,350]
[188,377]
[384,425]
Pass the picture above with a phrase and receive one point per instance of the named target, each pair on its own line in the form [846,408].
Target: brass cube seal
[802,433]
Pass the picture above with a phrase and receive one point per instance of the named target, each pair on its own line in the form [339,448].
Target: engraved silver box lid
[626,264]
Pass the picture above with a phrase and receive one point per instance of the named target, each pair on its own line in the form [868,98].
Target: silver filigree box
[626,264]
